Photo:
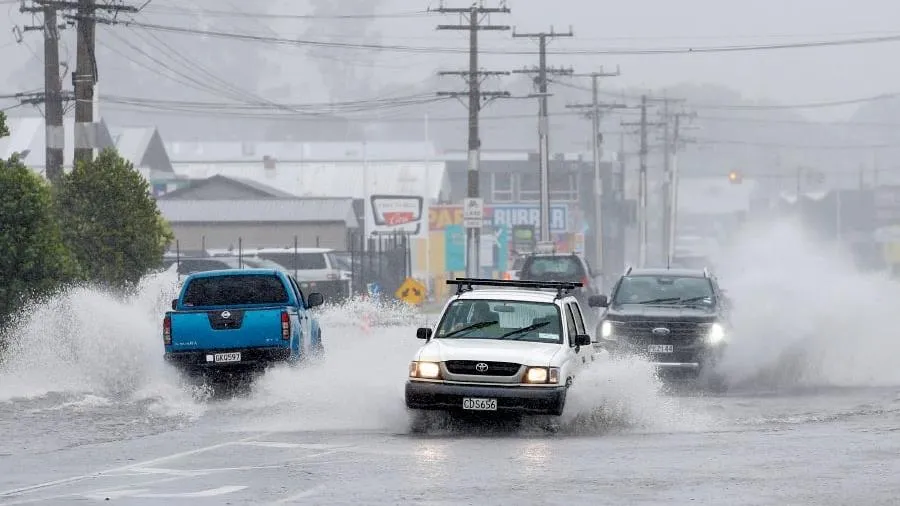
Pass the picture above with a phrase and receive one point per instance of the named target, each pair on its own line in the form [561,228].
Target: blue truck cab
[241,319]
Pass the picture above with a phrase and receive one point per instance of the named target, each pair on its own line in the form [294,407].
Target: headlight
[605,329]
[542,375]
[425,370]
[716,334]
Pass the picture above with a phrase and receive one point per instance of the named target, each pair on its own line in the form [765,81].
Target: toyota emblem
[661,331]
[226,314]
[481,367]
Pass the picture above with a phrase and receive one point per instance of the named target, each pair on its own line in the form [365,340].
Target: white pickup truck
[514,346]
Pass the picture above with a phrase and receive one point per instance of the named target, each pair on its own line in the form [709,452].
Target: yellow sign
[411,292]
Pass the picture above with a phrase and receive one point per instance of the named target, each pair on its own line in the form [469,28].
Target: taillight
[285,326]
[167,330]
[585,282]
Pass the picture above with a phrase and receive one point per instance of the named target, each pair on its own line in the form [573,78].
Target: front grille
[493,368]
[641,332]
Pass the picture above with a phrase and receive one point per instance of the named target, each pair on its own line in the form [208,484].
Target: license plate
[480,404]
[660,348]
[227,357]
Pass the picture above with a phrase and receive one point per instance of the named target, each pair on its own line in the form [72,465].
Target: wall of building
[195,236]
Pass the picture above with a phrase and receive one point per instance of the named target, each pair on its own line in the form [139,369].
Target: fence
[373,266]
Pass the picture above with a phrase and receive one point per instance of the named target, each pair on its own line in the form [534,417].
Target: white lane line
[56,483]
[302,495]
[143,493]
[187,473]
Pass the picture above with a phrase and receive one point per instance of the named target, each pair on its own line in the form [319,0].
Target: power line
[266,15]
[508,52]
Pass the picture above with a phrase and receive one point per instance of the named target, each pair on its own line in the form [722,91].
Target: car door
[302,316]
[584,353]
[576,354]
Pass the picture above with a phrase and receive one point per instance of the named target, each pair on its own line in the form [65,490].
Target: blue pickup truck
[241,320]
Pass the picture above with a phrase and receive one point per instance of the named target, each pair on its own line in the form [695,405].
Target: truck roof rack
[466,284]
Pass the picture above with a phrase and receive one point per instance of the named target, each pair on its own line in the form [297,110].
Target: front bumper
[683,359]
[516,399]
[251,359]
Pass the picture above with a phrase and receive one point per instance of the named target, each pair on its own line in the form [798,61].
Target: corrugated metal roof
[340,179]
[237,152]
[259,210]
[132,143]
[265,189]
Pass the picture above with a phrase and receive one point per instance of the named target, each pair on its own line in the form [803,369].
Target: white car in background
[515,346]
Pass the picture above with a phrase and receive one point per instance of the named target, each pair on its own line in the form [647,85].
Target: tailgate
[226,329]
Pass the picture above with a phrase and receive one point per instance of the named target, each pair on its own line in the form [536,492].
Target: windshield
[664,290]
[495,319]
[235,290]
[559,268]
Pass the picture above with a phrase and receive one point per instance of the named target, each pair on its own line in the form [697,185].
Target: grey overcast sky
[787,75]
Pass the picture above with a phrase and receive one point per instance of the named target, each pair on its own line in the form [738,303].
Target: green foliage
[33,258]
[110,221]
[4,131]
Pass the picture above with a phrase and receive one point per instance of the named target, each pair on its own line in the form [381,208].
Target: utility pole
[544,122]
[667,190]
[672,218]
[85,77]
[54,134]
[595,114]
[471,19]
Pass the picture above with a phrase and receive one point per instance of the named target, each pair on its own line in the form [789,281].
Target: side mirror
[314,299]
[598,301]
[174,304]
[423,333]
[582,340]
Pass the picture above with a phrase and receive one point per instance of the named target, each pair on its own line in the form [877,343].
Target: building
[144,149]
[28,140]
[227,213]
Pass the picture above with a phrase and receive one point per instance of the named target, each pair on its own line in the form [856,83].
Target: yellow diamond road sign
[411,291]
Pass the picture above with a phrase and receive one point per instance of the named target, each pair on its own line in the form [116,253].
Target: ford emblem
[481,367]
[226,314]
[661,331]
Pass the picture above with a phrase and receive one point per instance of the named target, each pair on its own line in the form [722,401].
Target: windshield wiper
[697,299]
[660,301]
[524,329]
[474,326]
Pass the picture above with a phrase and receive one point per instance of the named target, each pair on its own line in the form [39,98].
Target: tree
[3,130]
[110,221]
[34,261]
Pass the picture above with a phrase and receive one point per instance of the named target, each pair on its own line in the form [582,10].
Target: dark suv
[677,318]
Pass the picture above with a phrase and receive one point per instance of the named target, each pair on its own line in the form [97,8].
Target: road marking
[187,473]
[143,493]
[73,479]
[302,495]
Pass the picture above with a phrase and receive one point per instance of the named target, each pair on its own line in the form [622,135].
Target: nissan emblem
[226,314]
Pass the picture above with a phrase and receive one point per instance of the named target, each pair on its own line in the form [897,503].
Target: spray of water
[805,316]
[89,342]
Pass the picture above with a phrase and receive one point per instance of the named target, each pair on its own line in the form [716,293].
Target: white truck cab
[514,346]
